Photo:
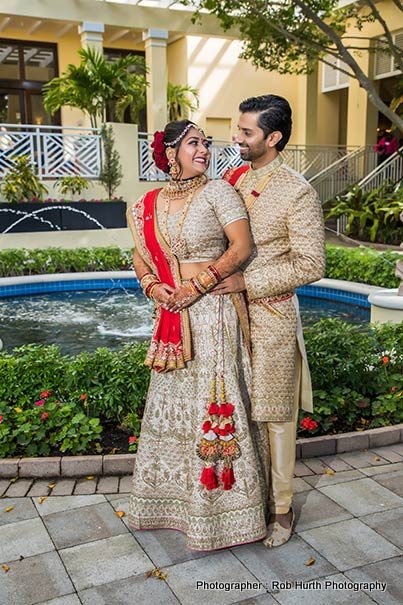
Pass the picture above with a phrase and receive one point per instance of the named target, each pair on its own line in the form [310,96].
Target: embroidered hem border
[221,530]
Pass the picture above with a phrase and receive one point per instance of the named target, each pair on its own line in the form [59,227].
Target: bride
[199,465]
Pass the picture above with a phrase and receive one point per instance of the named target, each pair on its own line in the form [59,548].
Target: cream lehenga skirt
[167,492]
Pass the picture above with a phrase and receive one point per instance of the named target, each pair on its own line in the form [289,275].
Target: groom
[287,227]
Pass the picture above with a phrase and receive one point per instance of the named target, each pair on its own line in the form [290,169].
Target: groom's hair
[274,114]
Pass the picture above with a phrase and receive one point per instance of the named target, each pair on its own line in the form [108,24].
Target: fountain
[34,215]
[387,305]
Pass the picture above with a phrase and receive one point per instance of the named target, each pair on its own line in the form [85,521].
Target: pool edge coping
[122,464]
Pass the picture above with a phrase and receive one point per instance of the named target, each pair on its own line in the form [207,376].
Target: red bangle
[196,285]
[147,290]
[215,272]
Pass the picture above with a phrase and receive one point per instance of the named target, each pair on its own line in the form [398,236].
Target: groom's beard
[254,152]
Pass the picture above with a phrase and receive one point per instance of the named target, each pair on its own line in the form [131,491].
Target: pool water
[83,321]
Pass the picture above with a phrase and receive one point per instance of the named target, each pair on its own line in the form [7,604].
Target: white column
[92,34]
[156,59]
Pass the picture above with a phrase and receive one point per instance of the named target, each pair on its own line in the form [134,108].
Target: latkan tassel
[208,478]
[227,477]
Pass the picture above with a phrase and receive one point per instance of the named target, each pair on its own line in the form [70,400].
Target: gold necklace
[178,245]
[177,189]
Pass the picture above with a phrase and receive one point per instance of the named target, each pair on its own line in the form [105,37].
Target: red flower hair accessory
[159,155]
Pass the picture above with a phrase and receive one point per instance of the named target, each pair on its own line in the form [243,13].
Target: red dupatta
[170,346]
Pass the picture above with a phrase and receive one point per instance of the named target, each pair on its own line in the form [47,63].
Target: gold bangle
[151,290]
[148,279]
[206,279]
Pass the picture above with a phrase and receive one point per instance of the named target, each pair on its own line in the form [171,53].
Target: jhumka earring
[173,168]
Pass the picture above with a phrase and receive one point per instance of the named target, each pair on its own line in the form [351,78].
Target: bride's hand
[182,297]
[161,294]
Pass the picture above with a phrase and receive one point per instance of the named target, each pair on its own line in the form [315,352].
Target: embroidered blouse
[210,211]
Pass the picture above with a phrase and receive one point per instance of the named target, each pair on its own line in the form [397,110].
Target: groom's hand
[233,283]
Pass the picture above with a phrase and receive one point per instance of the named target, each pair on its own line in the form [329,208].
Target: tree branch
[398,4]
[392,47]
[365,82]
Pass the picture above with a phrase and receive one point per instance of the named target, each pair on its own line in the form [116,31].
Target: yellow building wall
[358,124]
[212,65]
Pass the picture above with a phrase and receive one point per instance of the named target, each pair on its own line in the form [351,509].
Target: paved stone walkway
[66,542]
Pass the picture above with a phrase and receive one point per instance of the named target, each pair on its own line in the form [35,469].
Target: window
[24,69]
[333,79]
[384,64]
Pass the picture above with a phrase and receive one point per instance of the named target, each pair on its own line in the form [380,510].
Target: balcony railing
[57,151]
[306,159]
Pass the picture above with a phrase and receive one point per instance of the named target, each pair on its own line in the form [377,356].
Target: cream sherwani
[287,226]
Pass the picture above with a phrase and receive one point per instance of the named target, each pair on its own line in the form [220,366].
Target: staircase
[344,172]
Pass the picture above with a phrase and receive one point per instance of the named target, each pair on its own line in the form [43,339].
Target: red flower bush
[309,424]
[1,419]
[385,360]
[132,439]
[45,415]
[44,394]
[40,402]
[159,155]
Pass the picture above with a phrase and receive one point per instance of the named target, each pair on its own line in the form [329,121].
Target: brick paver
[19,489]
[347,522]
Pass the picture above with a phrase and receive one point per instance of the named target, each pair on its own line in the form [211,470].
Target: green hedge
[357,375]
[363,265]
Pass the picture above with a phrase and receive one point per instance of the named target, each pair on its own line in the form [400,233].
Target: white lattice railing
[390,170]
[306,159]
[57,151]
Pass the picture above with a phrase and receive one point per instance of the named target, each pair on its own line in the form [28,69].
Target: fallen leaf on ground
[14,479]
[310,562]
[157,573]
[9,509]
[328,471]
[5,568]
[377,458]
[120,514]
[90,477]
[41,499]
[51,485]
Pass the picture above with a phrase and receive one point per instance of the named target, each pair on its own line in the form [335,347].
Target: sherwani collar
[260,173]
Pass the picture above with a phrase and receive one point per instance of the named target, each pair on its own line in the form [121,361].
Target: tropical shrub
[373,215]
[73,185]
[357,377]
[182,101]
[21,183]
[50,403]
[96,83]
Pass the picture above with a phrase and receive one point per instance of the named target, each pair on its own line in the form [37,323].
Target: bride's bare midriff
[189,270]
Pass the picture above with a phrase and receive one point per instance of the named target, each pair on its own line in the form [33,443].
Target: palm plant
[95,84]
[182,100]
